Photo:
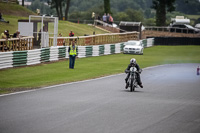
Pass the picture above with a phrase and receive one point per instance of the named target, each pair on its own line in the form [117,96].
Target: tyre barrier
[54,53]
[37,56]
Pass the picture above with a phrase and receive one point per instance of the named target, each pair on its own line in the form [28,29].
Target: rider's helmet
[133,61]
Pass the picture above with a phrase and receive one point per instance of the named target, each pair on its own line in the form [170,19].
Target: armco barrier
[19,58]
[6,59]
[177,41]
[32,57]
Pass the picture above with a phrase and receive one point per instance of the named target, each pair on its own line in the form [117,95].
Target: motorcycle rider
[133,64]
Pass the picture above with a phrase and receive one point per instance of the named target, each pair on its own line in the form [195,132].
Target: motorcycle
[132,81]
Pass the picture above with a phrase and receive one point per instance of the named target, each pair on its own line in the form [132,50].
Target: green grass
[12,26]
[193,18]
[64,27]
[23,78]
[19,12]
[14,9]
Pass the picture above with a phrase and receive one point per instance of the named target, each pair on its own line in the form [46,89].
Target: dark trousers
[72,61]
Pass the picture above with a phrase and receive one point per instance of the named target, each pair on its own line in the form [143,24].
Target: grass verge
[24,78]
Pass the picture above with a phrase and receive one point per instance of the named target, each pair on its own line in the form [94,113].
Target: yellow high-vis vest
[72,52]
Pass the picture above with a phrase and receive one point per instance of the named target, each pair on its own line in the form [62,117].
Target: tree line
[154,12]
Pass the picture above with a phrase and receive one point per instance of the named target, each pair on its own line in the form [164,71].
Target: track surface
[168,103]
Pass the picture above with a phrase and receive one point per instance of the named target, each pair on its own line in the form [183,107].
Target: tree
[35,5]
[58,5]
[22,2]
[135,15]
[162,7]
[107,6]
[188,6]
[67,9]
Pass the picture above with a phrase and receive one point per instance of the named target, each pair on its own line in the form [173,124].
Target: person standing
[108,16]
[2,19]
[104,18]
[72,55]
[110,20]
[71,34]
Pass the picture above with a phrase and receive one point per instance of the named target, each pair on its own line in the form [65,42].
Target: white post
[55,31]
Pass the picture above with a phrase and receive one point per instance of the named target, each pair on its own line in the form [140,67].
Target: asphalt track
[168,103]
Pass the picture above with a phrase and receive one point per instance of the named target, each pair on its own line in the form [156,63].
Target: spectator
[2,19]
[99,18]
[110,20]
[4,35]
[61,40]
[45,29]
[107,17]
[71,34]
[8,34]
[104,18]
[17,34]
[60,35]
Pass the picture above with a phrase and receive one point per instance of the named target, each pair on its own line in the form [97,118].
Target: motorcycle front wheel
[132,87]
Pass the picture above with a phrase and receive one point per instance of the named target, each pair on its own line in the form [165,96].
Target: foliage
[57,4]
[135,15]
[122,16]
[86,7]
[129,15]
[107,6]
[67,9]
[44,9]
[150,22]
[162,7]
[188,6]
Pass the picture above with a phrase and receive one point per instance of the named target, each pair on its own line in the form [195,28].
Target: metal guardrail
[170,29]
[107,25]
[16,44]
[96,39]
